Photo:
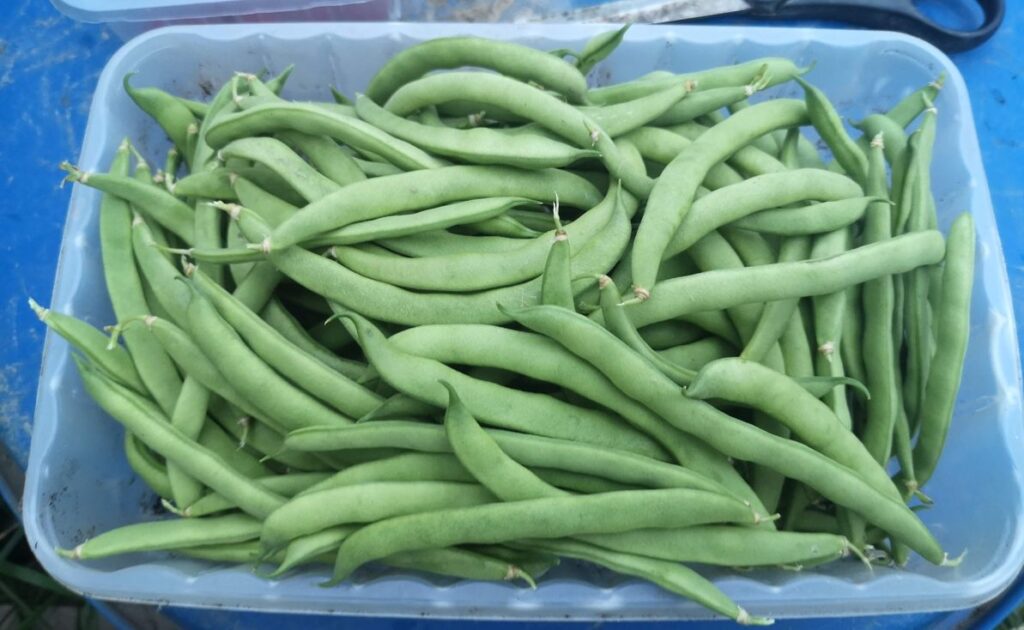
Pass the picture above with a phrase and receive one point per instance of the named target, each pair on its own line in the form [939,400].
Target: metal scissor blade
[656,12]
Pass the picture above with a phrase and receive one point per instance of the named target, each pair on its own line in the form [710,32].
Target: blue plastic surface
[72,454]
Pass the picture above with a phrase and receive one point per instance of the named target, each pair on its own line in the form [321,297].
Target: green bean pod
[158,434]
[674,191]
[766,283]
[365,503]
[476,146]
[284,116]
[527,101]
[732,437]
[521,62]
[953,321]
[385,196]
[166,536]
[548,517]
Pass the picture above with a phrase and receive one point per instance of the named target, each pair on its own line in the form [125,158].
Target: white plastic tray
[79,484]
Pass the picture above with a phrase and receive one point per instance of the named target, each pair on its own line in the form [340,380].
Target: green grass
[27,593]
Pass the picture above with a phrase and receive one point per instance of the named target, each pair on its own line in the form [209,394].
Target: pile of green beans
[391,330]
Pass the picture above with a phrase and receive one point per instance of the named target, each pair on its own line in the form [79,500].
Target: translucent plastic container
[128,18]
[79,484]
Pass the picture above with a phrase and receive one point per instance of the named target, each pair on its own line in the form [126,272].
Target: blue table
[48,68]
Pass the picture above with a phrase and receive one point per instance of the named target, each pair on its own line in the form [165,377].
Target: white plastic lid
[149,10]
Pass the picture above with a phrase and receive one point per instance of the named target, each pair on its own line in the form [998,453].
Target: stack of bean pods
[392,330]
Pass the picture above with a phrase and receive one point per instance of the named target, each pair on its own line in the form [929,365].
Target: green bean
[146,466]
[387,303]
[278,317]
[879,359]
[817,218]
[541,359]
[665,335]
[477,146]
[188,416]
[270,207]
[249,552]
[579,483]
[621,118]
[828,123]
[215,438]
[302,369]
[304,549]
[279,158]
[918,316]
[384,196]
[287,485]
[233,241]
[460,563]
[289,406]
[522,99]
[556,279]
[165,536]
[767,142]
[173,116]
[530,450]
[411,466]
[598,48]
[765,283]
[748,160]
[506,478]
[732,437]
[402,406]
[695,354]
[521,62]
[534,563]
[371,168]
[758,195]
[853,328]
[674,191]
[449,215]
[484,458]
[436,241]
[208,223]
[156,203]
[284,116]
[365,503]
[671,576]
[617,320]
[494,404]
[113,360]
[753,385]
[325,155]
[830,308]
[128,292]
[944,375]
[474,272]
[904,112]
[779,70]
[725,545]
[253,433]
[191,360]
[212,184]
[161,275]
[662,146]
[705,101]
[777,315]
[505,226]
[158,434]
[547,517]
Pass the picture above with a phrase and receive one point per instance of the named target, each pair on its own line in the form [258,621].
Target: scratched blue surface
[48,68]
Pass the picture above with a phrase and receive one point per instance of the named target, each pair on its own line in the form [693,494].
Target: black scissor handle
[893,15]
